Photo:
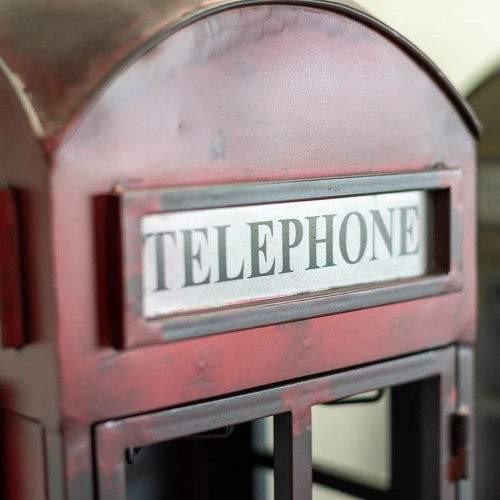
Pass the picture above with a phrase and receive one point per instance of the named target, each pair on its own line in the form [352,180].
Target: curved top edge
[460,103]
[85,45]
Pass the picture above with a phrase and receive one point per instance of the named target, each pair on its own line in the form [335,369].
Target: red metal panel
[11,302]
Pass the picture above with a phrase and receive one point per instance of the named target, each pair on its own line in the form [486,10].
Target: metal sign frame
[120,238]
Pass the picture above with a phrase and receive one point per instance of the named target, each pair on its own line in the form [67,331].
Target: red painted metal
[154,94]
[89,42]
[11,302]
[175,150]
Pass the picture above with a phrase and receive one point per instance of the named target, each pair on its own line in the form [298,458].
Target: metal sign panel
[202,259]
[186,262]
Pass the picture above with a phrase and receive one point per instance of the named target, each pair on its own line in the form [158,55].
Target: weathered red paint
[11,302]
[296,93]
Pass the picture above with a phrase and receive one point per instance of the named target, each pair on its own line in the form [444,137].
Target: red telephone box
[218,212]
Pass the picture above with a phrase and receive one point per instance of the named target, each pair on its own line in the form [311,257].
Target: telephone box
[216,212]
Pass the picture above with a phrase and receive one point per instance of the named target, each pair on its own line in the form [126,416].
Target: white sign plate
[211,258]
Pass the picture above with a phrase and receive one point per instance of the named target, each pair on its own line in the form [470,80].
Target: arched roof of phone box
[59,54]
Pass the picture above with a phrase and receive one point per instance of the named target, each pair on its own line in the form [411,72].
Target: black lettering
[256,249]
[190,257]
[222,254]
[314,241]
[362,237]
[383,231]
[161,280]
[286,244]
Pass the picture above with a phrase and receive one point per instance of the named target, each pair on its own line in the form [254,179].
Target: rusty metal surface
[61,54]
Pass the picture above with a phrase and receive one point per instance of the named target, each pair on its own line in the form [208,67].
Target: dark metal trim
[252,316]
[173,200]
[445,275]
[292,455]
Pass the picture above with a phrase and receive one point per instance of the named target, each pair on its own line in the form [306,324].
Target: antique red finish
[11,303]
[101,99]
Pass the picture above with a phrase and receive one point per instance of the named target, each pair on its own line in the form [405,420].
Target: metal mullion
[293,455]
[465,403]
[448,386]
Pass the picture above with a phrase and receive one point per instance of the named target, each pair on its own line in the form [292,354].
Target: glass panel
[351,441]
